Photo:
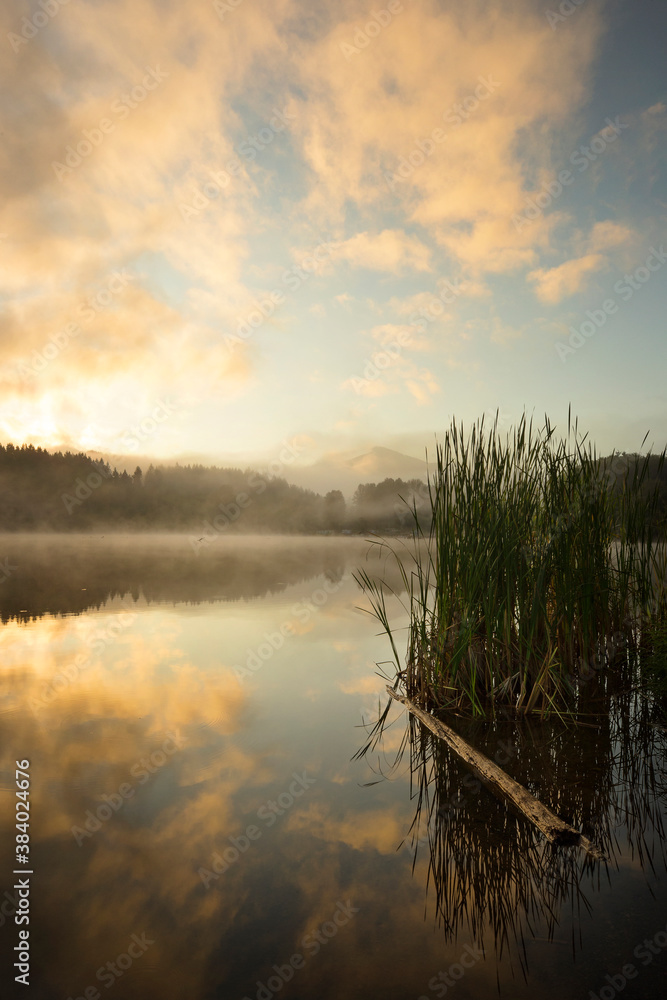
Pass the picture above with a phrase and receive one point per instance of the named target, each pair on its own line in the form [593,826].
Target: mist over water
[191,719]
[60,574]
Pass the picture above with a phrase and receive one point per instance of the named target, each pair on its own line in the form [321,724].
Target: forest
[44,491]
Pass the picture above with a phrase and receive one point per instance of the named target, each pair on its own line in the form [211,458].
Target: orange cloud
[391,250]
[556,283]
[364,117]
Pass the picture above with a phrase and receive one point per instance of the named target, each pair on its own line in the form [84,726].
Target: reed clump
[537,561]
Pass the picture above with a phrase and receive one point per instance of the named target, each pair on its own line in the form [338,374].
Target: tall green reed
[534,556]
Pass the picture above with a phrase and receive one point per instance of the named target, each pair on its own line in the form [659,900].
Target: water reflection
[491,874]
[63,574]
[156,739]
[153,755]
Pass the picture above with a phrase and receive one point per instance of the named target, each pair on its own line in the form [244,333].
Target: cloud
[393,375]
[391,250]
[362,117]
[364,685]
[423,385]
[503,333]
[474,289]
[116,202]
[655,110]
[388,334]
[607,235]
[552,285]
[428,301]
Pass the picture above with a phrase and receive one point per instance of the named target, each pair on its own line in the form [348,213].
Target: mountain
[342,471]
[385,463]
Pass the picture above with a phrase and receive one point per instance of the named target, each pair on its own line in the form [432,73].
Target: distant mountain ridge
[383,461]
[339,470]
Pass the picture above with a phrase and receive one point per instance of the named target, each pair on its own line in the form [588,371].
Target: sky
[228,229]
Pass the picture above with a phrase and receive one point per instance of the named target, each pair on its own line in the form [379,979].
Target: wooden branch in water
[500,783]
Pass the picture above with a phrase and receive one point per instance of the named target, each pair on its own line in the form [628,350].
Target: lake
[201,828]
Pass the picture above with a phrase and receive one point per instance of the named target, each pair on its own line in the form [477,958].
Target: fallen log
[495,779]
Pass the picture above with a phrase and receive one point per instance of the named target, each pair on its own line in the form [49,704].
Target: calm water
[199,828]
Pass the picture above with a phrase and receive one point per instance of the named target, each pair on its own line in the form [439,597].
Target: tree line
[63,491]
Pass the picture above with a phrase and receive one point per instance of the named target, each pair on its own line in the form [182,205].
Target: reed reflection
[492,877]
